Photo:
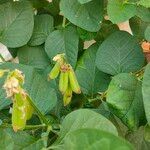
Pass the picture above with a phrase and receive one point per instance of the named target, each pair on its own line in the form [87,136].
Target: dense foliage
[64,94]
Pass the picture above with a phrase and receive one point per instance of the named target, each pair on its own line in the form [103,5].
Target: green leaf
[85,118]
[21,139]
[38,145]
[84,1]
[94,139]
[124,98]
[145,3]
[33,56]
[43,96]
[118,11]
[16,23]
[120,52]
[143,13]
[63,41]
[6,141]
[43,25]
[146,92]
[147,33]
[87,16]
[89,77]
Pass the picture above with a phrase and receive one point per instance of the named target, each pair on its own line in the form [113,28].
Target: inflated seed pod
[67,96]
[55,71]
[63,82]
[18,113]
[73,82]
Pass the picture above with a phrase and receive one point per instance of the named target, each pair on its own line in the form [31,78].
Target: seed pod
[55,71]
[73,82]
[18,113]
[63,82]
[67,96]
[29,109]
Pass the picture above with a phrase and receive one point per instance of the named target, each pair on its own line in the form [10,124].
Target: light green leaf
[43,25]
[94,139]
[85,118]
[16,23]
[147,33]
[119,12]
[89,77]
[63,41]
[43,96]
[146,92]
[33,56]
[120,52]
[38,145]
[145,3]
[84,1]
[124,98]
[87,16]
[6,141]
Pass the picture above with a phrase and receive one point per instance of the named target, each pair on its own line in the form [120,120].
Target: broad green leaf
[63,41]
[21,139]
[87,16]
[138,28]
[43,96]
[124,98]
[85,118]
[146,92]
[120,52]
[33,56]
[147,33]
[38,145]
[16,23]
[43,25]
[145,3]
[89,77]
[118,11]
[94,139]
[84,1]
[143,13]
[6,141]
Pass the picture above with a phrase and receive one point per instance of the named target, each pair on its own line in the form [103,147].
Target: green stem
[64,22]
[27,127]
[41,116]
[2,58]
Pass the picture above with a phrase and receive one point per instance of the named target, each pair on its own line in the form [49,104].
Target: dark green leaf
[120,52]
[16,23]
[33,56]
[63,41]
[43,25]
[147,33]
[90,78]
[146,92]
[87,16]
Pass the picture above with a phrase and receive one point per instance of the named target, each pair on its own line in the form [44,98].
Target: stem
[27,127]
[41,116]
[2,58]
[64,22]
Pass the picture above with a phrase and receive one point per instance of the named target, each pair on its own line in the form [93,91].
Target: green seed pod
[55,71]
[63,82]
[18,113]
[73,82]
[67,96]
[29,109]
